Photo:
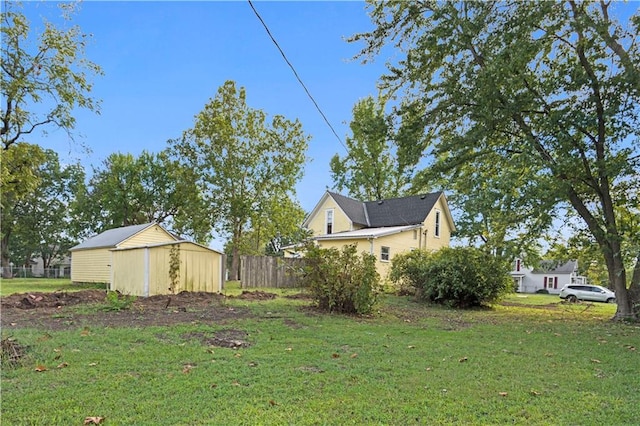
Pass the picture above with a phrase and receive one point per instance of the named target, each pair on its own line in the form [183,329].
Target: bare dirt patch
[62,310]
[256,295]
[229,338]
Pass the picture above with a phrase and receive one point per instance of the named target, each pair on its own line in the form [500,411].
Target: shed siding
[91,266]
[128,273]
[199,270]
[152,235]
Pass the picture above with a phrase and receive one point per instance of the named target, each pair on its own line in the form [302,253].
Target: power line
[297,76]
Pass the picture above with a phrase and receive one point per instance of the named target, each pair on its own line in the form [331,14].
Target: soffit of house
[112,237]
[366,233]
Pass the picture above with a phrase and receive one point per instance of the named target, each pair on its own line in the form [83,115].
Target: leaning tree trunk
[618,280]
[634,288]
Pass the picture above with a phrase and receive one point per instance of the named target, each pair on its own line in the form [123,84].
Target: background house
[91,260]
[549,275]
[383,228]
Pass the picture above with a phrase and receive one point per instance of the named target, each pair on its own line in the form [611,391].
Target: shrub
[117,302]
[542,291]
[341,281]
[459,277]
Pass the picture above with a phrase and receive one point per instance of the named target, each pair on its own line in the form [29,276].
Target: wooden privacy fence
[268,271]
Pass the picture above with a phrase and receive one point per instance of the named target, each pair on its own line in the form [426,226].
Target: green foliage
[174,267]
[460,277]
[533,109]
[42,82]
[117,302]
[371,170]
[129,190]
[341,281]
[247,166]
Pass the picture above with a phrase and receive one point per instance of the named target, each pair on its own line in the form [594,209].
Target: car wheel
[611,300]
[572,298]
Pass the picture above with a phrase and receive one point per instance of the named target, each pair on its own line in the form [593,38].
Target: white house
[549,275]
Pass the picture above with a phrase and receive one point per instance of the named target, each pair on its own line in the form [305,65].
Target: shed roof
[112,237]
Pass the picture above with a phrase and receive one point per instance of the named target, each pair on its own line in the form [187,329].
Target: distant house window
[551,282]
[329,221]
[437,230]
[518,265]
[384,254]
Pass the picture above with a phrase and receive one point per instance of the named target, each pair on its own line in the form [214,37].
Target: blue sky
[163,61]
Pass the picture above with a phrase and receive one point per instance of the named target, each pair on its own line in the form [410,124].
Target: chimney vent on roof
[423,196]
[380,202]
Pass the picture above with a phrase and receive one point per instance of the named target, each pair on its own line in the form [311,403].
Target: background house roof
[556,267]
[111,237]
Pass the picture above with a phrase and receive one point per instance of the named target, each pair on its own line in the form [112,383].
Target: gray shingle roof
[352,208]
[555,267]
[111,237]
[409,210]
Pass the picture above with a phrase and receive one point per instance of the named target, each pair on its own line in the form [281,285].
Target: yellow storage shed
[167,268]
[91,260]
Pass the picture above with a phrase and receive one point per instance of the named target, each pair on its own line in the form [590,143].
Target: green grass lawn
[24,285]
[534,361]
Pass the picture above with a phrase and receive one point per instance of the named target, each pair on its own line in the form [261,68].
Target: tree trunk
[618,280]
[634,288]
[4,249]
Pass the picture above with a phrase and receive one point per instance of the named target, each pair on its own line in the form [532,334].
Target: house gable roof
[112,237]
[354,209]
[554,267]
[366,233]
[410,210]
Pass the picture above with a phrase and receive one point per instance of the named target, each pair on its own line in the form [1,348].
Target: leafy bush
[341,281]
[459,277]
[117,302]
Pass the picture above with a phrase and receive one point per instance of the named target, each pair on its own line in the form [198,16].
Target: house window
[384,254]
[551,282]
[329,221]
[518,264]
[437,230]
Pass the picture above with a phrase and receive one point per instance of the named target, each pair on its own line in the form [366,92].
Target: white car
[594,293]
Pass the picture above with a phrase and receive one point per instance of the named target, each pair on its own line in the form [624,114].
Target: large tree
[128,190]
[245,164]
[371,170]
[550,90]
[44,76]
[18,178]
[41,226]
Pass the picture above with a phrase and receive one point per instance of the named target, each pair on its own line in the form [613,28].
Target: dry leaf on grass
[535,393]
[40,368]
[93,420]
[463,359]
[63,365]
[335,355]
[272,402]
[597,361]
[354,355]
[503,393]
